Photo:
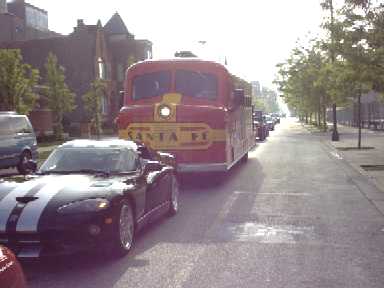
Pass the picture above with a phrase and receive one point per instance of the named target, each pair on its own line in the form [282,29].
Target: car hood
[54,183]
[45,193]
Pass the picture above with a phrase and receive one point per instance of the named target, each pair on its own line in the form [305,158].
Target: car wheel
[175,192]
[24,158]
[124,230]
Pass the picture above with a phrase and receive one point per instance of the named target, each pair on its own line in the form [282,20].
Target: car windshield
[89,160]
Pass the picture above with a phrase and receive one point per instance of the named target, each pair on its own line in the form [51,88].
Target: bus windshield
[151,85]
[196,84]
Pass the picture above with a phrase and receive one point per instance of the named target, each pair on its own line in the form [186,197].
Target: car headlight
[89,205]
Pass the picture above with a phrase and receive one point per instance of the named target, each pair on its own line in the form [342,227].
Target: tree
[330,26]
[269,99]
[93,100]
[361,51]
[17,81]
[300,79]
[60,98]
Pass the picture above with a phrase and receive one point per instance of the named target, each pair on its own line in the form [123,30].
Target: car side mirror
[152,171]
[152,166]
[31,165]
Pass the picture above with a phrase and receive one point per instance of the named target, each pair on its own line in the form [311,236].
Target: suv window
[151,85]
[5,126]
[196,84]
[21,125]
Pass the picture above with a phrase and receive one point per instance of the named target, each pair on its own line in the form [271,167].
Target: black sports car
[87,194]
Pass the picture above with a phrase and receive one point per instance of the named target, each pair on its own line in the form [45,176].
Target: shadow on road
[203,198]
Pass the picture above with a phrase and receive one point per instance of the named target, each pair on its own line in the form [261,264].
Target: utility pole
[335,133]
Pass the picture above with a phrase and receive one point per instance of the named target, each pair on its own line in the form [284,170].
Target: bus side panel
[240,133]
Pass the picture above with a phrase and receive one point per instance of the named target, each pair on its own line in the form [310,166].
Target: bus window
[151,85]
[196,84]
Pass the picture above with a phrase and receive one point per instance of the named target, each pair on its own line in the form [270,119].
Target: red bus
[190,108]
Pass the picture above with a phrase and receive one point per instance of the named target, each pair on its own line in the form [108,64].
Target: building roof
[116,25]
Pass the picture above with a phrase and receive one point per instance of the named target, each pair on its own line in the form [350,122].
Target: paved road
[293,216]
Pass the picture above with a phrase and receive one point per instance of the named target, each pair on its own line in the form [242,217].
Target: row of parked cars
[263,123]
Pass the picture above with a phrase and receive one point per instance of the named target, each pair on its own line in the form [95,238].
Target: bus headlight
[164,111]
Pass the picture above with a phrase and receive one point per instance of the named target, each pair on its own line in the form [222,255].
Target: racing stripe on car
[8,203]
[16,212]
[4,194]
[30,216]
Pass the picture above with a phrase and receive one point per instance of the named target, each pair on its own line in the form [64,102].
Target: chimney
[3,7]
[80,23]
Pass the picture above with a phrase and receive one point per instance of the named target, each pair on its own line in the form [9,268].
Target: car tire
[24,158]
[174,197]
[124,230]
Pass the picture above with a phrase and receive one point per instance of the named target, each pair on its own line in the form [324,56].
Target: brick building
[22,21]
[89,52]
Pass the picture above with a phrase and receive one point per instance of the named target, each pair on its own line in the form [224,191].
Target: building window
[102,69]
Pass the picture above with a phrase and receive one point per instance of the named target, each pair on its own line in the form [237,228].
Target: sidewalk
[369,161]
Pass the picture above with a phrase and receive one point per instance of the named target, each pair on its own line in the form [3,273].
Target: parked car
[17,141]
[11,273]
[269,122]
[260,125]
[276,117]
[88,194]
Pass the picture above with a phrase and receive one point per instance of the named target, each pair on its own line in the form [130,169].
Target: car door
[8,155]
[25,137]
[158,186]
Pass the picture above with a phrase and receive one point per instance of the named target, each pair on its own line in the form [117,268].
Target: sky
[253,35]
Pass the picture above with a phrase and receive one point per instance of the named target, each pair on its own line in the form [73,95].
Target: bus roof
[180,61]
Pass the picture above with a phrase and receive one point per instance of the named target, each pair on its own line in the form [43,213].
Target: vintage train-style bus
[190,108]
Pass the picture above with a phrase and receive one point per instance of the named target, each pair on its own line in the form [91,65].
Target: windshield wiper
[52,172]
[123,172]
[91,171]
[86,171]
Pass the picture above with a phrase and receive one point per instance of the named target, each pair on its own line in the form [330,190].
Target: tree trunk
[325,118]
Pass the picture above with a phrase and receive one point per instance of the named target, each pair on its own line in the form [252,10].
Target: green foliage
[240,83]
[93,104]
[304,81]
[269,100]
[348,62]
[131,60]
[17,81]
[60,98]
[259,104]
